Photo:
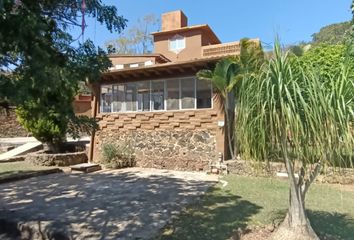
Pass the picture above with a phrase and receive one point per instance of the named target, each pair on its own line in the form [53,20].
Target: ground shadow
[106,205]
[328,225]
[215,217]
[332,225]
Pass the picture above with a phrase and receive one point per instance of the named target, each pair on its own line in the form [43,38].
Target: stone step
[86,167]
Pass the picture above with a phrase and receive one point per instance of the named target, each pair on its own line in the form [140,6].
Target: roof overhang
[166,70]
[204,28]
[159,57]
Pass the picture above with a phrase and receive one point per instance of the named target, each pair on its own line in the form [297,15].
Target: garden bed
[56,159]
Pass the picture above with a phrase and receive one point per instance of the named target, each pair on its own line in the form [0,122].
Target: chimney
[173,20]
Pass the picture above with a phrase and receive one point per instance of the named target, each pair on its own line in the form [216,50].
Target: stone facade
[178,140]
[9,126]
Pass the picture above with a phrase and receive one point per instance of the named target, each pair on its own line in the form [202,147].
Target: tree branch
[312,178]
[301,176]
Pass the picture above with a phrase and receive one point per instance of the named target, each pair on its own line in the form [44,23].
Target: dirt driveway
[124,204]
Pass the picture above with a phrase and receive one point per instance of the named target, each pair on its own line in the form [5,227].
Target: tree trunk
[228,125]
[296,225]
[50,147]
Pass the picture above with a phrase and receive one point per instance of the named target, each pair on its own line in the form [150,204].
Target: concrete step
[86,167]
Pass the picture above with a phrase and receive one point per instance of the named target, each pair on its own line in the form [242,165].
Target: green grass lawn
[11,169]
[248,201]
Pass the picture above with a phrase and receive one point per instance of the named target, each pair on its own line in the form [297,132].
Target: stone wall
[261,169]
[178,140]
[59,159]
[9,126]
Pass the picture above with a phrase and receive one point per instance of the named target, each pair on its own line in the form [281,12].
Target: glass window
[118,98]
[177,43]
[187,93]
[130,97]
[157,95]
[203,94]
[176,94]
[106,98]
[172,94]
[143,96]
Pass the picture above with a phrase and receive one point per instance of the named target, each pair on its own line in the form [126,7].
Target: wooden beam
[169,71]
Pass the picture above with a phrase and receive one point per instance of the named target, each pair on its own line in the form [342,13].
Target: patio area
[122,204]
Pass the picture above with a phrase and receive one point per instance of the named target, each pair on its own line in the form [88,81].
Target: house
[155,102]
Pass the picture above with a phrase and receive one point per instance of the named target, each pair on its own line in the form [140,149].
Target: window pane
[118,98]
[203,94]
[181,43]
[187,93]
[130,96]
[143,97]
[106,98]
[157,95]
[172,91]
[173,44]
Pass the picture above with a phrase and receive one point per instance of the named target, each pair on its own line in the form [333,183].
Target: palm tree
[227,74]
[224,78]
[299,119]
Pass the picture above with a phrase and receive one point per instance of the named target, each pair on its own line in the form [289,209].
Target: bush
[118,155]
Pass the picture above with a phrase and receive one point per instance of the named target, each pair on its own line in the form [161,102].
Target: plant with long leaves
[303,121]
[225,77]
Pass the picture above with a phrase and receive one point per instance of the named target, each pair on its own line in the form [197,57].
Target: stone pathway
[123,204]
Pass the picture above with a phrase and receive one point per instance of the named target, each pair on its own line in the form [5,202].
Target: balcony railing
[219,50]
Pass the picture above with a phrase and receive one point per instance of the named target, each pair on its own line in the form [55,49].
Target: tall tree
[136,39]
[224,78]
[40,68]
[337,33]
[228,73]
[300,120]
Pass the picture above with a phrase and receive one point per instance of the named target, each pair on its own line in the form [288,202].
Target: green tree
[337,33]
[326,59]
[227,74]
[300,120]
[224,78]
[40,67]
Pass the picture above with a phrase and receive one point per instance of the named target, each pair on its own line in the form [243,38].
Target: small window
[130,97]
[203,94]
[106,98]
[143,97]
[157,95]
[188,93]
[177,43]
[172,91]
[118,98]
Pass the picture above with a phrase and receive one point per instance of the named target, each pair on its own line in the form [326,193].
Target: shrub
[118,155]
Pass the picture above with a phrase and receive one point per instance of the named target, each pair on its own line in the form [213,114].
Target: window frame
[177,38]
[150,93]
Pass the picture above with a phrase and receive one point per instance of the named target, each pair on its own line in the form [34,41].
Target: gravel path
[123,204]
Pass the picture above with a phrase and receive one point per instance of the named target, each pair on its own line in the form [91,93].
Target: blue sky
[292,20]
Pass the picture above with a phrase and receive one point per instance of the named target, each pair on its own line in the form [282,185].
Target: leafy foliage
[118,155]
[41,69]
[297,118]
[326,60]
[228,73]
[337,33]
